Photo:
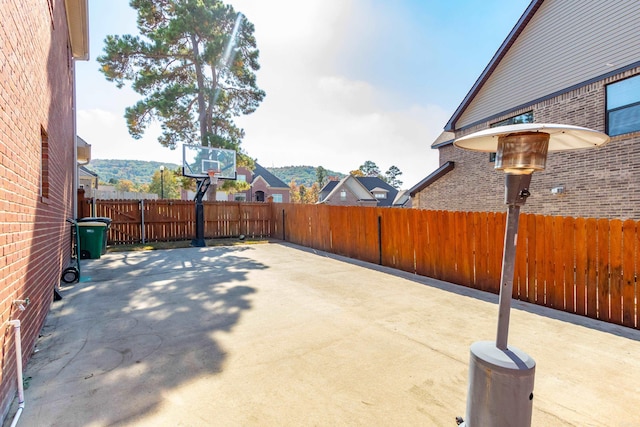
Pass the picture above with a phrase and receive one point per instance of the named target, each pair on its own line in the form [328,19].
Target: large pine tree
[194,64]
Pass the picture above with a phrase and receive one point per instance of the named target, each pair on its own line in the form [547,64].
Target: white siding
[567,42]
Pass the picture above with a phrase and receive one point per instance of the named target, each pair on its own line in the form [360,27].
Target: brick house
[263,185]
[39,41]
[568,62]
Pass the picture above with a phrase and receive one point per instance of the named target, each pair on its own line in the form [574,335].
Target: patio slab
[279,335]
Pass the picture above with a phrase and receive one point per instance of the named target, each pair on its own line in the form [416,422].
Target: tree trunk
[202,108]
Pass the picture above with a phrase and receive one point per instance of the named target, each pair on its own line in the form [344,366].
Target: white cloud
[317,111]
[107,133]
[313,114]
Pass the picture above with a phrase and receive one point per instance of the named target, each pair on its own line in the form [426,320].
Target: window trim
[620,108]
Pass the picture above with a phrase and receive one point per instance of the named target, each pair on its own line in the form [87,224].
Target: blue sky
[346,80]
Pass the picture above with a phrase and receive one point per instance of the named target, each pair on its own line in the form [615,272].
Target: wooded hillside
[141,172]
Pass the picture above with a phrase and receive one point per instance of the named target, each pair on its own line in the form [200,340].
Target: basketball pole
[203,185]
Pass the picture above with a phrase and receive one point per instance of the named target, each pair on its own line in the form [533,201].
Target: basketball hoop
[213,176]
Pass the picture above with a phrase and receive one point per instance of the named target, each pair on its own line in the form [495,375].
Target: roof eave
[433,177]
[78,23]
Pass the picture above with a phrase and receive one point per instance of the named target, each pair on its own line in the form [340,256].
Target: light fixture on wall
[501,377]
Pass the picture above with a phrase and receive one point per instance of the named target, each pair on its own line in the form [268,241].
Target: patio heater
[501,377]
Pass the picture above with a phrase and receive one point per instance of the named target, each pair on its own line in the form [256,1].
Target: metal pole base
[198,243]
[500,387]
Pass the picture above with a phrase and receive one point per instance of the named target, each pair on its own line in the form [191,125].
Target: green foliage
[369,168]
[302,194]
[165,184]
[321,176]
[137,171]
[391,177]
[303,175]
[142,173]
[194,65]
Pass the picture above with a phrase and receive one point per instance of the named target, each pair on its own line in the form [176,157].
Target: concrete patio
[278,335]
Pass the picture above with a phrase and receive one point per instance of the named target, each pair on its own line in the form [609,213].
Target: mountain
[141,172]
[302,175]
[137,171]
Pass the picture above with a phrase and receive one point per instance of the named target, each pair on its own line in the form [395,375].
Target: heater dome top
[561,137]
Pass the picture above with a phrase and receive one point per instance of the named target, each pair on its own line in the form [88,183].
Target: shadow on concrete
[141,324]
[575,319]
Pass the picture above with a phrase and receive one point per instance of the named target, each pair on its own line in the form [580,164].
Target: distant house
[567,62]
[87,180]
[39,44]
[360,191]
[263,185]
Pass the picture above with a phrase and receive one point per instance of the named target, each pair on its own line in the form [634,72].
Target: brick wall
[36,79]
[600,182]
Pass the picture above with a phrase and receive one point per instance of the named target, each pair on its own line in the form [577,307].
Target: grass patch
[152,246]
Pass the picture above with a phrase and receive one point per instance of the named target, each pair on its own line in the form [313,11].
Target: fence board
[580,237]
[592,268]
[541,260]
[531,260]
[499,224]
[482,253]
[629,273]
[615,270]
[558,294]
[465,244]
[603,270]
[520,273]
[568,229]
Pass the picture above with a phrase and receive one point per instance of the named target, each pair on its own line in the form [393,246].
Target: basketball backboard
[198,161]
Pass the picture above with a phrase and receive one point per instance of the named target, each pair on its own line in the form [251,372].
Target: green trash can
[91,239]
[106,221]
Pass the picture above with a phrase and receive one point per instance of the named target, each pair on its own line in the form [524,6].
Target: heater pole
[516,193]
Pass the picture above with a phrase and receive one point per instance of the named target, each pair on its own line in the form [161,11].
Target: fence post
[283,234]
[379,240]
[142,236]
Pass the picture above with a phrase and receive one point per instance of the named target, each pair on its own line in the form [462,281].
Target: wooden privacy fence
[584,266]
[141,221]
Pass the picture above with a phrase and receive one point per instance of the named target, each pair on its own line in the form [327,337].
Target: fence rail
[580,265]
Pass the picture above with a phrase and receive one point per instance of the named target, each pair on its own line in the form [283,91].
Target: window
[380,195]
[277,198]
[44,164]
[240,197]
[241,178]
[343,195]
[515,120]
[623,106]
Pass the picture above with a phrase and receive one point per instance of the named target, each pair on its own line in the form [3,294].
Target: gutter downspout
[16,325]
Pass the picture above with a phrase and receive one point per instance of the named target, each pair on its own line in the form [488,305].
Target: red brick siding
[35,95]
[597,183]
[260,185]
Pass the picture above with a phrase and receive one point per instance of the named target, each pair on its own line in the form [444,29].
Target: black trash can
[104,220]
